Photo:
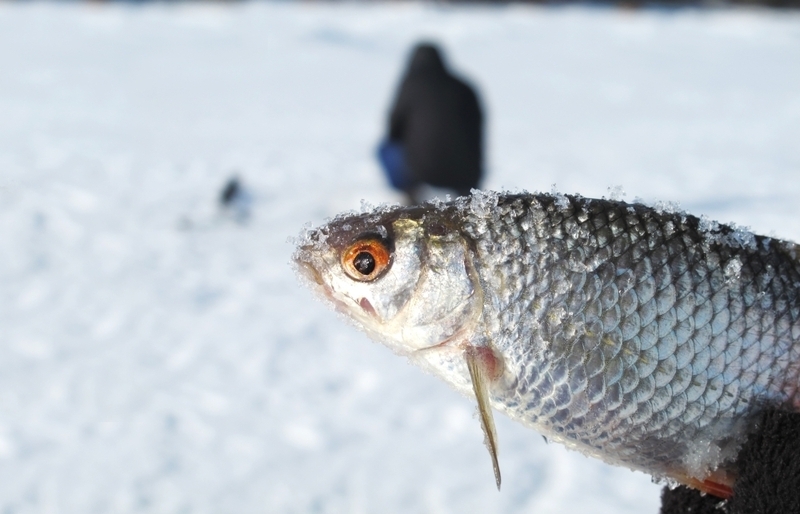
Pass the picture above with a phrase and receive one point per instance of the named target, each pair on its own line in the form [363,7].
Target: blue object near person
[392,158]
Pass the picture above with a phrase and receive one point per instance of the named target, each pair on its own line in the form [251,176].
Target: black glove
[769,474]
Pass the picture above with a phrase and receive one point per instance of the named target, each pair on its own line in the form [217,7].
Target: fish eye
[366,259]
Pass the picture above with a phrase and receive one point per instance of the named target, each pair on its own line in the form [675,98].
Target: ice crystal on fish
[742,237]
[707,225]
[668,207]
[483,203]
[616,193]
[732,269]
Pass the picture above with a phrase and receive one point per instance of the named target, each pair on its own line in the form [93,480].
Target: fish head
[403,275]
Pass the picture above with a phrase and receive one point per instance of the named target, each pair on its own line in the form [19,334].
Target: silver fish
[645,338]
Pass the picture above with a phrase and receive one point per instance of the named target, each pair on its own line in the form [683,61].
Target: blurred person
[435,134]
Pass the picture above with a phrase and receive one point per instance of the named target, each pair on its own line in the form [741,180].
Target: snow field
[157,357]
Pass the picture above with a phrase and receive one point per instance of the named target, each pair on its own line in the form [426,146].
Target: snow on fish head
[403,275]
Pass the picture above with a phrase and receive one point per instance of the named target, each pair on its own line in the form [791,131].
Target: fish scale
[642,337]
[661,284]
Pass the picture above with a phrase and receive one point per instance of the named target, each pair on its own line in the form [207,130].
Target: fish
[645,337]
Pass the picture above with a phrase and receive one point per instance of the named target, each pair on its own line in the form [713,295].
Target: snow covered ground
[156,357]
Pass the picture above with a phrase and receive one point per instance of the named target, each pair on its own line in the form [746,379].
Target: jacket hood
[426,58]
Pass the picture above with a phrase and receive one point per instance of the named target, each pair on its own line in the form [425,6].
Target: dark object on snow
[769,474]
[235,201]
[438,123]
[229,193]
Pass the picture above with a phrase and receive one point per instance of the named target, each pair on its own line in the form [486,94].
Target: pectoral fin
[479,371]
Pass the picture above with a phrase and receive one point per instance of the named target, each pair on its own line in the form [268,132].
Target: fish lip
[308,271]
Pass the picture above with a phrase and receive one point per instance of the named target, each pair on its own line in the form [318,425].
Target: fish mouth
[367,307]
[311,274]
[308,271]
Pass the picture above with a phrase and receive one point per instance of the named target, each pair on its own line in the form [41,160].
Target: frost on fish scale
[638,337]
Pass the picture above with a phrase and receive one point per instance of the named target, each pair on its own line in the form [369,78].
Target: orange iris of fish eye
[364,260]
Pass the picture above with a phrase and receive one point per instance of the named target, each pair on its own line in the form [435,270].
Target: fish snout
[308,271]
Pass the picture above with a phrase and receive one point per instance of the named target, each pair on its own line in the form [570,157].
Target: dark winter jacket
[769,474]
[437,118]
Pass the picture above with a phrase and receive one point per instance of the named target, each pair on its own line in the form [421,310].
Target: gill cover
[409,282]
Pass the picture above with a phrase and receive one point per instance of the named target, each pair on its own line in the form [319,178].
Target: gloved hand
[769,474]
